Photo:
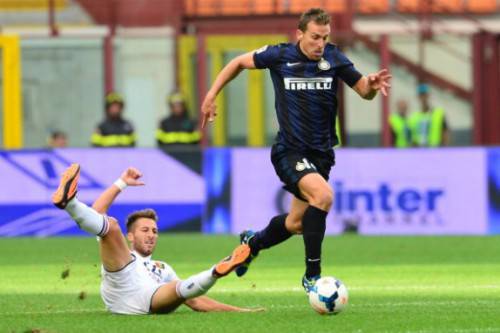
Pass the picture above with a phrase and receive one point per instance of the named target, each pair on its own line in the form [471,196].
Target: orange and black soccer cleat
[67,187]
[239,256]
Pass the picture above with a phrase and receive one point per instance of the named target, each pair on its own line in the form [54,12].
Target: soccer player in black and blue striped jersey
[305,76]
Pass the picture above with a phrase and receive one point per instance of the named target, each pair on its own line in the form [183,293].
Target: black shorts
[291,166]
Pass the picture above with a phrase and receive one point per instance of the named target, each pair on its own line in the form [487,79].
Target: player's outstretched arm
[229,72]
[129,177]
[368,86]
[206,304]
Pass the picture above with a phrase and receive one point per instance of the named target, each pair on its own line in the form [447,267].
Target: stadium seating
[231,7]
[481,6]
[299,6]
[434,6]
[373,6]
[262,7]
[447,6]
[202,8]
[268,7]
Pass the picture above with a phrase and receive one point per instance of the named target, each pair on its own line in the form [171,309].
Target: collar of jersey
[301,54]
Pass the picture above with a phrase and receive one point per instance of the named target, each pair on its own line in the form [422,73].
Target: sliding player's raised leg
[115,253]
[114,250]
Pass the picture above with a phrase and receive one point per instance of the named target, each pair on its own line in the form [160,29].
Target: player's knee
[114,226]
[294,225]
[322,199]
[298,229]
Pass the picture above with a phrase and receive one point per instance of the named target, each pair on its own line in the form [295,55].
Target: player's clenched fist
[131,177]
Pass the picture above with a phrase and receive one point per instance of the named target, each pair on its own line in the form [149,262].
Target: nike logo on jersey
[293,64]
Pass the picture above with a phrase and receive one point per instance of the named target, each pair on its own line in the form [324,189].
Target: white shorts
[126,291]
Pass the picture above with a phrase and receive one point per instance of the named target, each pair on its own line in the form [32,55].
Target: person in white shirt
[132,282]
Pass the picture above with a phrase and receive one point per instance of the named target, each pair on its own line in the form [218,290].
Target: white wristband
[120,184]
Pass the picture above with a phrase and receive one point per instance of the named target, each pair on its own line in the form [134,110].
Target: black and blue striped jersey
[305,93]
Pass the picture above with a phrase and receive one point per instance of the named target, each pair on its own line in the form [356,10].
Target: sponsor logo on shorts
[304,164]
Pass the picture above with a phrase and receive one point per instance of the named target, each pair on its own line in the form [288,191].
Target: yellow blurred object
[176,98]
[12,102]
[24,5]
[114,97]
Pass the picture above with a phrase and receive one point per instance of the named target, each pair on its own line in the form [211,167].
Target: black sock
[273,234]
[313,229]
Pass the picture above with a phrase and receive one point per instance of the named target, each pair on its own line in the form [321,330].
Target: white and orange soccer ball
[328,296]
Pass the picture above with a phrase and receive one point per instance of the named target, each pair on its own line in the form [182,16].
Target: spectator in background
[58,139]
[400,129]
[114,131]
[178,128]
[428,126]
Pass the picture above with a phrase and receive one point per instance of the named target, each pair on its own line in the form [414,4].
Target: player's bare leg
[114,251]
[171,295]
[316,191]
[293,221]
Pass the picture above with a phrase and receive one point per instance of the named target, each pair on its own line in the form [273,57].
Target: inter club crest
[324,65]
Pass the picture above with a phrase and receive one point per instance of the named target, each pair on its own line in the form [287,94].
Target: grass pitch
[396,284]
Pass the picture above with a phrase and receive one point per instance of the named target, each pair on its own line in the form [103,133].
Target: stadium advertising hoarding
[175,191]
[377,191]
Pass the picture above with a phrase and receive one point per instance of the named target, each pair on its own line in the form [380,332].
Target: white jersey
[129,290]
[158,272]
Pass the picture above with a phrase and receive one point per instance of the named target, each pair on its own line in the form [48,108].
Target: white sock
[87,218]
[196,285]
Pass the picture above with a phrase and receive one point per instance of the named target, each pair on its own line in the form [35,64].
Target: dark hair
[57,134]
[317,15]
[145,213]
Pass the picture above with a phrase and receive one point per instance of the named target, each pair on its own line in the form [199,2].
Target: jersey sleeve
[345,68]
[349,75]
[266,56]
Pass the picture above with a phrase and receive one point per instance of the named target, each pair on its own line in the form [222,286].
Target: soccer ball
[328,296]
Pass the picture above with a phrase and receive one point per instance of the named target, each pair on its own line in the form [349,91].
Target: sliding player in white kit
[133,283]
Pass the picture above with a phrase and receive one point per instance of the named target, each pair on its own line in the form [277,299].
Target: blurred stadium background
[61,57]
